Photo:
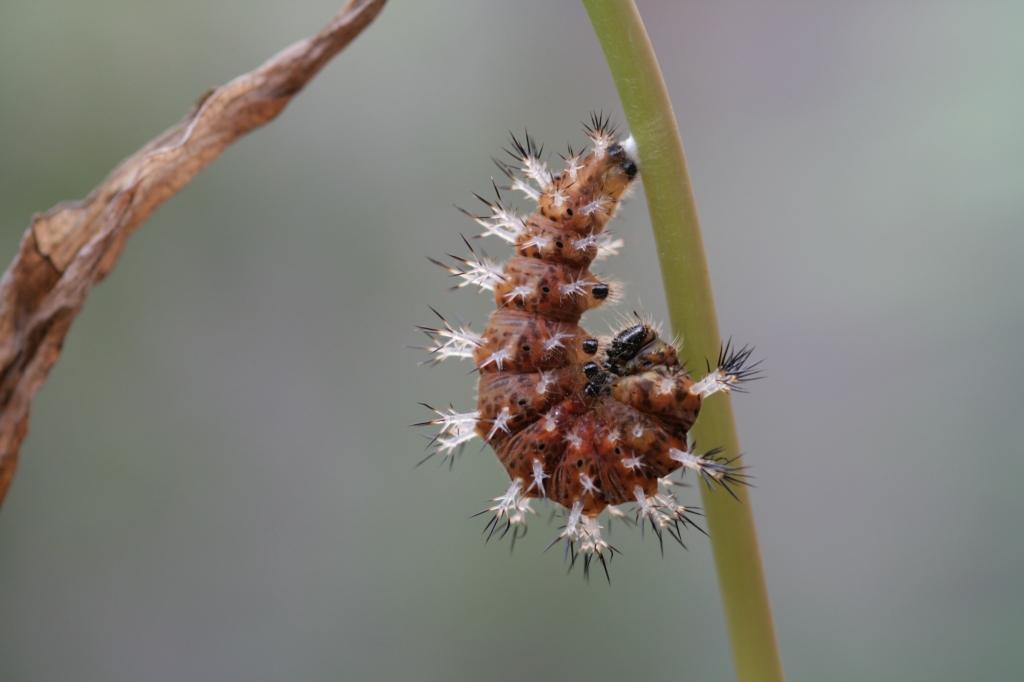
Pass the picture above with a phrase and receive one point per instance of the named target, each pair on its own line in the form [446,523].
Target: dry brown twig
[74,245]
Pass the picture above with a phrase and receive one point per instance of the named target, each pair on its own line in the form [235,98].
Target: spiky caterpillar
[589,424]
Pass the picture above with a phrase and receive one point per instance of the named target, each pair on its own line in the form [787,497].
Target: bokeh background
[219,482]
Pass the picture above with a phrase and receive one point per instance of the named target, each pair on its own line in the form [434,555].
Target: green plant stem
[684,269]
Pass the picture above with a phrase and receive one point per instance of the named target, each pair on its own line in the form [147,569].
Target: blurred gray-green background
[219,485]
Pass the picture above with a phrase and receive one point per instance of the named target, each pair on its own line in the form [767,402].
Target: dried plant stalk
[74,245]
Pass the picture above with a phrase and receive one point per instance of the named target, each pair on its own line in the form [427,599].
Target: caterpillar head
[586,194]
[636,349]
[621,167]
[639,348]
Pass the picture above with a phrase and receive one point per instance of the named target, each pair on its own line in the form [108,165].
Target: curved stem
[684,270]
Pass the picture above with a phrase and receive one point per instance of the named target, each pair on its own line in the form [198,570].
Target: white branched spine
[537,170]
[663,513]
[589,485]
[733,369]
[573,167]
[601,140]
[716,381]
[522,292]
[596,205]
[545,379]
[607,245]
[497,358]
[576,287]
[582,536]
[456,429]
[538,478]
[500,423]
[616,513]
[502,223]
[584,243]
[646,507]
[705,466]
[556,340]
[478,271]
[520,185]
[509,510]
[452,342]
[591,541]
[571,532]
[633,462]
[538,240]
[670,507]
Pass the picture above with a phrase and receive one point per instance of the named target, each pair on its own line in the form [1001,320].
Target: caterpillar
[589,423]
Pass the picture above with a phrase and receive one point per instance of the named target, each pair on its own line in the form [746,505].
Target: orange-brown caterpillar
[587,423]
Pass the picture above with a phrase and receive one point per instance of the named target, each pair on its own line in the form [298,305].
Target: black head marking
[627,344]
[618,154]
